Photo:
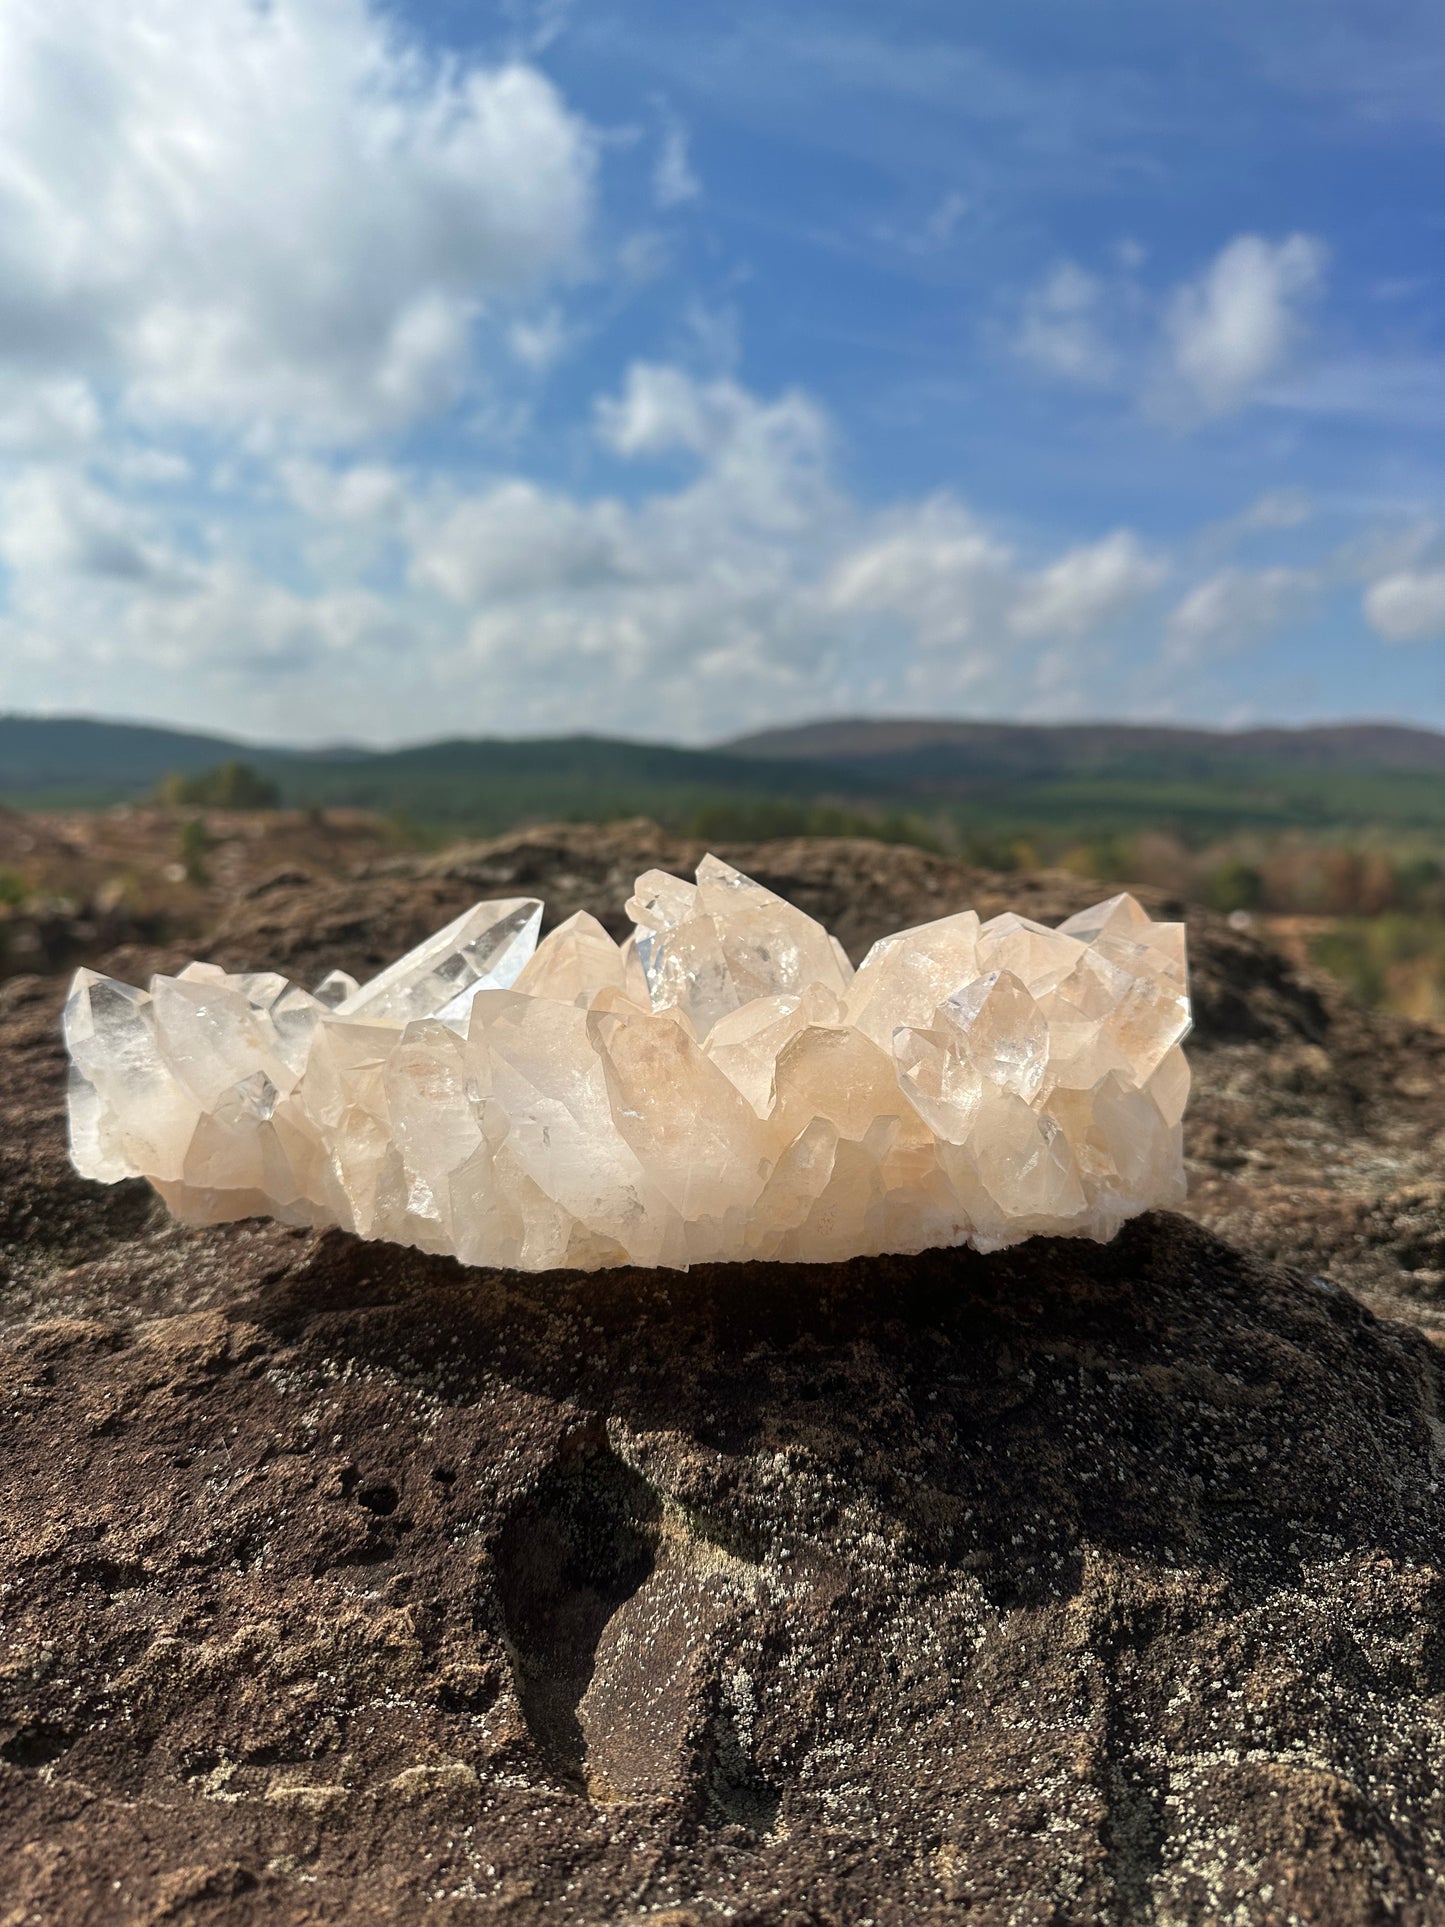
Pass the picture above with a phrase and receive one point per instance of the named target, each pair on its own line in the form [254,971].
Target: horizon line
[344,747]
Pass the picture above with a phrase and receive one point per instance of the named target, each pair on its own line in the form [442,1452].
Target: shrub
[230,786]
[1235,885]
[195,847]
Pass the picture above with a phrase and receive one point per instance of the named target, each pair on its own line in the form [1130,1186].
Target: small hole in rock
[36,1745]
[579,1545]
[378,1497]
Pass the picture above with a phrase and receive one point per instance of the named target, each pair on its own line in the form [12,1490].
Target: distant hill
[62,753]
[482,783]
[952,780]
[924,750]
[495,784]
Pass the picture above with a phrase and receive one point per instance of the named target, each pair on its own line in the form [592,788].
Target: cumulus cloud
[751,584]
[249,249]
[765,462]
[144,467]
[1062,328]
[283,214]
[742,583]
[1232,609]
[1236,324]
[1408,605]
[663,410]
[47,418]
[933,567]
[1204,348]
[955,583]
[692,607]
[357,493]
[55,523]
[1091,585]
[379,599]
[102,600]
[519,540]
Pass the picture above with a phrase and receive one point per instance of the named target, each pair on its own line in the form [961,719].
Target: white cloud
[935,568]
[1204,349]
[358,493]
[1232,609]
[1395,547]
[518,540]
[283,214]
[1062,330]
[674,179]
[47,418]
[1094,584]
[360,599]
[145,467]
[540,341]
[1408,606]
[957,585]
[245,245]
[662,410]
[243,629]
[104,607]
[743,584]
[352,520]
[765,461]
[1236,324]
[694,608]
[55,523]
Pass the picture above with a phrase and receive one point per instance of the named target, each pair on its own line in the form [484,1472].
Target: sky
[377,374]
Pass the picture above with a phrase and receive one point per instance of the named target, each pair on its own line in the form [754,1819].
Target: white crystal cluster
[721,1086]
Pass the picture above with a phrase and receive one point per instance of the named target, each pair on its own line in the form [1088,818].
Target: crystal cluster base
[723,1085]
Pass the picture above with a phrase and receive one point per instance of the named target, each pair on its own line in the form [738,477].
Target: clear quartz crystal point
[708,949]
[485,948]
[722,1085]
[335,987]
[574,962]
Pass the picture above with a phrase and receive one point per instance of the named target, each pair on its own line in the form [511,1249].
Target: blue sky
[380,374]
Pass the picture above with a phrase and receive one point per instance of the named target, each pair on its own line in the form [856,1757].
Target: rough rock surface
[1077,1583]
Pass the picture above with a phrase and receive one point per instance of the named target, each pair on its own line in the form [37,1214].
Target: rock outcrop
[1070,1584]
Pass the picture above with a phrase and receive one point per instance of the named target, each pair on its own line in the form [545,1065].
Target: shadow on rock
[1078,1583]
[1162,1396]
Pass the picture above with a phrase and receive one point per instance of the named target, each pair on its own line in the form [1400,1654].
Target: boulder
[1077,1583]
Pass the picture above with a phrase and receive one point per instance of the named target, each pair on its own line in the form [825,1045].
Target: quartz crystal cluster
[723,1085]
